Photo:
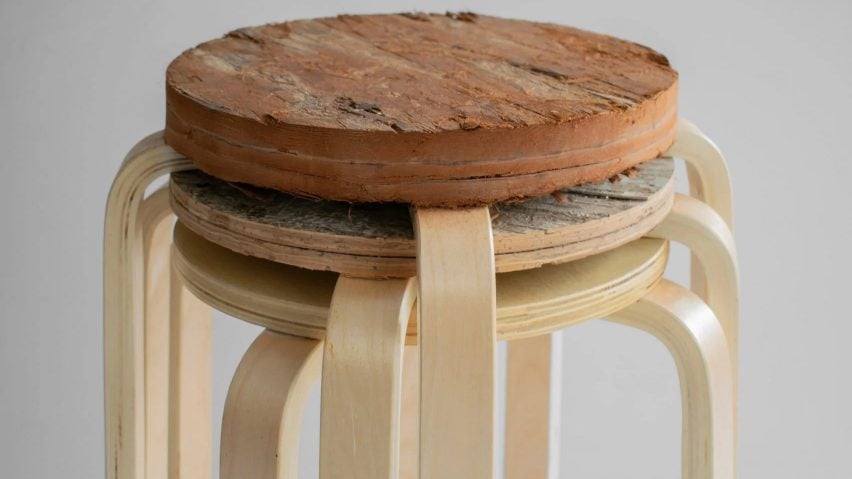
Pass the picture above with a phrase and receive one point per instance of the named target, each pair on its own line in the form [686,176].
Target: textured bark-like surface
[454,110]
[377,240]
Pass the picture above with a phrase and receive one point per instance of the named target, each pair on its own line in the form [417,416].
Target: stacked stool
[389,196]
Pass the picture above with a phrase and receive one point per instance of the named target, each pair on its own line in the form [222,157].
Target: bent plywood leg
[709,181]
[361,378]
[696,225]
[691,332]
[190,376]
[409,421]
[124,365]
[533,405]
[155,221]
[704,232]
[265,405]
[457,333]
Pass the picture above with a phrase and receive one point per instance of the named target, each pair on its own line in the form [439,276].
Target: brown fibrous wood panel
[428,109]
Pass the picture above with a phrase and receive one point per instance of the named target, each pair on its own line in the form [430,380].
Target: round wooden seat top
[427,109]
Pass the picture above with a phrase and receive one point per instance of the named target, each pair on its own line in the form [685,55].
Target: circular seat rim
[529,303]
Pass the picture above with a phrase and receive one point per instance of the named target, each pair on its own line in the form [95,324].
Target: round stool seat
[434,110]
[377,240]
[296,301]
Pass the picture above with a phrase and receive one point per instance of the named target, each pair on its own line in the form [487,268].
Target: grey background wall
[81,81]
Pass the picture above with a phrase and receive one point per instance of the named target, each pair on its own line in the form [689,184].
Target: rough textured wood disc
[377,239]
[449,110]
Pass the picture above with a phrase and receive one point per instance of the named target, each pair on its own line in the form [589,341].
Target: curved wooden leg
[361,378]
[709,181]
[691,332]
[704,232]
[409,421]
[457,333]
[533,406]
[155,221]
[265,405]
[124,365]
[190,376]
[177,357]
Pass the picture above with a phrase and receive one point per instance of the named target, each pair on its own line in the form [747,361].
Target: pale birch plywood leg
[265,405]
[409,427]
[693,335]
[187,322]
[155,221]
[190,378]
[709,181]
[696,225]
[704,232]
[124,280]
[361,378]
[533,402]
[457,333]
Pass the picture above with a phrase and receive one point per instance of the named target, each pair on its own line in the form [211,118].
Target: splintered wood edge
[529,303]
[526,234]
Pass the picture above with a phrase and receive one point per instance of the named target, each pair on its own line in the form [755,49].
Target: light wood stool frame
[456,291]
[703,223]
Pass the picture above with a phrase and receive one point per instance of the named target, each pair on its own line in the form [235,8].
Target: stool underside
[376,240]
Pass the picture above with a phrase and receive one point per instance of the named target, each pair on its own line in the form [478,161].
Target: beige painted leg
[361,378]
[155,221]
[190,377]
[691,332]
[533,397]
[457,332]
[124,279]
[265,405]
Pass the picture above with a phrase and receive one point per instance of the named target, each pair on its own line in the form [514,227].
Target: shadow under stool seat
[389,196]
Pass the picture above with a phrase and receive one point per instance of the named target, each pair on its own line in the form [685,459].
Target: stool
[544,120]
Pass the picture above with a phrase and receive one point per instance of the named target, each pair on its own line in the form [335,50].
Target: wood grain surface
[429,109]
[376,240]
[296,301]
